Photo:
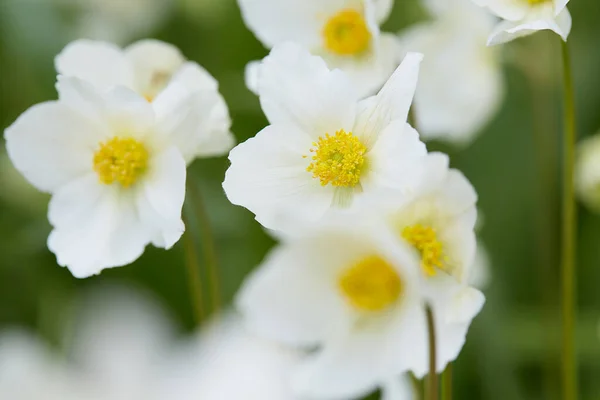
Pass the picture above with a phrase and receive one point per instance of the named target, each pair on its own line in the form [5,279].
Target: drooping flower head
[344,32]
[158,72]
[524,17]
[325,151]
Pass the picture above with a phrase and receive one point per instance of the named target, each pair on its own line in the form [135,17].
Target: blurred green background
[512,350]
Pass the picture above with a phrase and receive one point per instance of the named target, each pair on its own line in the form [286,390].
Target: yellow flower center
[425,240]
[346,33]
[536,2]
[371,285]
[121,160]
[338,159]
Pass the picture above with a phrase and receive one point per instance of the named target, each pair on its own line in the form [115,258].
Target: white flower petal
[295,87]
[268,177]
[195,78]
[511,10]
[128,113]
[160,198]
[393,101]
[399,389]
[506,31]
[101,63]
[251,73]
[383,8]
[559,6]
[51,144]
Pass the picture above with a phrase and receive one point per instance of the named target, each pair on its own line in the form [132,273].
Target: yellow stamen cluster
[338,160]
[371,285]
[121,160]
[347,33]
[425,240]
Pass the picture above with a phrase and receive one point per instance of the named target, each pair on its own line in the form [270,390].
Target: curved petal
[398,389]
[506,31]
[268,177]
[297,88]
[160,198]
[51,144]
[96,226]
[251,73]
[559,6]
[383,9]
[511,10]
[194,77]
[100,63]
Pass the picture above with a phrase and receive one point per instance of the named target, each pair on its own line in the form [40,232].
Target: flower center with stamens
[121,160]
[424,239]
[371,284]
[338,160]
[346,33]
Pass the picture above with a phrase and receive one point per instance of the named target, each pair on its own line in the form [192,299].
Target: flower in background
[158,72]
[324,151]
[461,85]
[113,165]
[344,32]
[587,172]
[524,17]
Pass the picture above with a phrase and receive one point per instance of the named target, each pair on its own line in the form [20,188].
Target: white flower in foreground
[353,293]
[113,164]
[461,85]
[587,172]
[344,32]
[160,73]
[524,17]
[324,151]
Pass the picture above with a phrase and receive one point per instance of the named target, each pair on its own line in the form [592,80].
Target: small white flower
[587,172]
[524,17]
[160,73]
[461,83]
[344,32]
[324,152]
[113,165]
[352,292]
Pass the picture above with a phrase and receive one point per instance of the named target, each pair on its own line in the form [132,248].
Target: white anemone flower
[114,167]
[325,151]
[461,84]
[344,32]
[587,172]
[353,295]
[157,71]
[525,17]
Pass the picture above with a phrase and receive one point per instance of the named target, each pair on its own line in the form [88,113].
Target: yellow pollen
[338,160]
[371,285]
[121,160]
[425,240]
[346,33]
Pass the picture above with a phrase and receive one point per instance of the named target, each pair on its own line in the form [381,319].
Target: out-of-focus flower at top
[524,17]
[587,172]
[116,20]
[344,32]
[160,73]
[113,165]
[460,86]
[324,152]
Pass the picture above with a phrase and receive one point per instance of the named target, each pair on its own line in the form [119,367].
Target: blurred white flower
[113,165]
[461,83]
[116,20]
[160,73]
[524,17]
[587,172]
[324,152]
[344,32]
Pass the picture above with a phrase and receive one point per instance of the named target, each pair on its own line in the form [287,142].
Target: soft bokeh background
[512,351]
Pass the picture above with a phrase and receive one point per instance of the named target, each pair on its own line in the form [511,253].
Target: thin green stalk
[432,387]
[569,368]
[208,246]
[193,271]
[447,383]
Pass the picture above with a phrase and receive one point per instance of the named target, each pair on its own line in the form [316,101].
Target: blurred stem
[193,270]
[447,383]
[568,234]
[208,245]
[432,387]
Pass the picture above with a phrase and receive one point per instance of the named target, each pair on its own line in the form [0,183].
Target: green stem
[447,383]
[208,246]
[568,235]
[432,387]
[193,271]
